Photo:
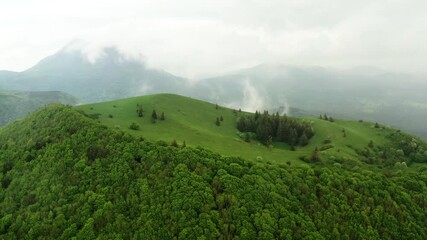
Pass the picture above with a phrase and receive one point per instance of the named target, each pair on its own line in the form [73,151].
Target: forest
[269,128]
[64,176]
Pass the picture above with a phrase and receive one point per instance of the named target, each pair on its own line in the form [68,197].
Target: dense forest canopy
[63,176]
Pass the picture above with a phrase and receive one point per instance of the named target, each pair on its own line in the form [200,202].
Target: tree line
[268,128]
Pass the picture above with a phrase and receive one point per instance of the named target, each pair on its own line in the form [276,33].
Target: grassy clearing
[193,121]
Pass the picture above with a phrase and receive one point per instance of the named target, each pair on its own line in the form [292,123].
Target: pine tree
[217,122]
[269,141]
[140,110]
[154,115]
[303,141]
[293,137]
[257,115]
[315,155]
[174,143]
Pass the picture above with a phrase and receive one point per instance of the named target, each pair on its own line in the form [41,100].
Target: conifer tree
[303,140]
[325,117]
[315,155]
[140,110]
[154,115]
[174,143]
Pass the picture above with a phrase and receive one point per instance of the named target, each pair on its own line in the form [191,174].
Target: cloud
[203,38]
[252,100]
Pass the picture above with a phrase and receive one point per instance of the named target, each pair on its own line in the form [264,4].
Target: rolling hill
[193,121]
[63,175]
[15,104]
[367,93]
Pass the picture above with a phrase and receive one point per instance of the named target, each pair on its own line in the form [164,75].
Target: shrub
[174,143]
[134,126]
[326,147]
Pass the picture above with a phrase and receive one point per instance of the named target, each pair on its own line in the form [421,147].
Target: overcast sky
[196,38]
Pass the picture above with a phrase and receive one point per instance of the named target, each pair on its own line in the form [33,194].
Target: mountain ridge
[361,93]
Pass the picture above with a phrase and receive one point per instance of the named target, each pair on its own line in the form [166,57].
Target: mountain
[364,93]
[360,93]
[111,76]
[65,176]
[15,104]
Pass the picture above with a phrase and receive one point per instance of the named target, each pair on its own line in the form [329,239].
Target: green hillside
[15,104]
[193,121]
[64,176]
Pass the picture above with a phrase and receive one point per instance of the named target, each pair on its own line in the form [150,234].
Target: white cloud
[198,38]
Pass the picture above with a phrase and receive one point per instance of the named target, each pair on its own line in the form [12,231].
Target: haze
[196,39]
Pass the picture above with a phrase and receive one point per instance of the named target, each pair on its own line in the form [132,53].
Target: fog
[197,39]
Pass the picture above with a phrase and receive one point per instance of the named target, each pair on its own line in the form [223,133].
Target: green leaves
[94,182]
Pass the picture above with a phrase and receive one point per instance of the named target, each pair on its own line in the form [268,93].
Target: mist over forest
[213,119]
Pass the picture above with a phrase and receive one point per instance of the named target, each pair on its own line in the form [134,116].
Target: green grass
[193,121]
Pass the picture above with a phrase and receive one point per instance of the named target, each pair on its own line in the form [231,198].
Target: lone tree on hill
[162,116]
[221,118]
[217,122]
[154,115]
[371,144]
[140,110]
[315,155]
[174,143]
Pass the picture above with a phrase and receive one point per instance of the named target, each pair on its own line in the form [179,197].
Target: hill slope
[361,93]
[63,176]
[14,104]
[193,121]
